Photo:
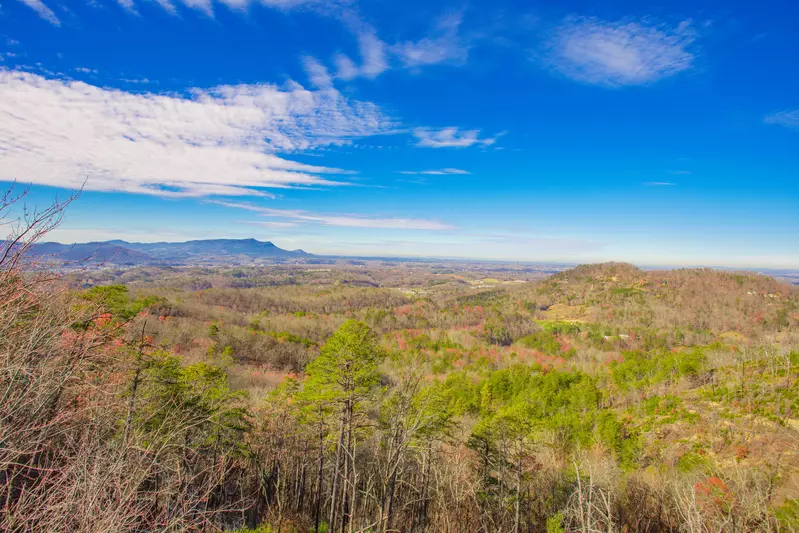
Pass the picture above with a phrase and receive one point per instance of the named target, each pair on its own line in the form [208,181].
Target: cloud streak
[787,118]
[451,137]
[219,141]
[615,54]
[347,221]
[207,7]
[439,172]
[270,224]
[45,12]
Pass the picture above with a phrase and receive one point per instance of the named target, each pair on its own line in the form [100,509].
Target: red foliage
[742,451]
[714,492]
[103,319]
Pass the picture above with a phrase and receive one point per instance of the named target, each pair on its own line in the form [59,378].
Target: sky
[659,133]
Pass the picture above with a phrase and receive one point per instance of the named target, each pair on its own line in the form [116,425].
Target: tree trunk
[135,385]
[391,492]
[334,491]
[320,478]
[301,485]
[426,487]
[518,491]
[345,488]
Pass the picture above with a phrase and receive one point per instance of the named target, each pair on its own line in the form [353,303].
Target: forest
[375,396]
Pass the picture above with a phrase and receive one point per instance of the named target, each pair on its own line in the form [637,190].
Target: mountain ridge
[121,252]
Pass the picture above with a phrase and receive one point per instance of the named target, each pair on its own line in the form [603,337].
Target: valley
[669,395]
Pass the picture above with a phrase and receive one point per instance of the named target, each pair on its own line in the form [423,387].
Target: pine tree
[345,376]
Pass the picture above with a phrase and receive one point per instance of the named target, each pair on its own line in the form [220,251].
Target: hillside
[92,252]
[697,300]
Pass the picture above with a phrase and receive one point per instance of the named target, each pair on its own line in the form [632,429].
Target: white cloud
[621,53]
[220,141]
[271,224]
[443,44]
[348,221]
[168,6]
[450,138]
[317,73]
[45,12]
[130,6]
[658,184]
[440,172]
[787,118]
[373,54]
[373,58]
[135,80]
[205,6]
[346,68]
[279,4]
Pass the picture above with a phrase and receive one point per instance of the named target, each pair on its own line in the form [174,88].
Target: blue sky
[657,133]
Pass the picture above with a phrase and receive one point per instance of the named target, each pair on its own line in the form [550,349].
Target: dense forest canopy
[379,397]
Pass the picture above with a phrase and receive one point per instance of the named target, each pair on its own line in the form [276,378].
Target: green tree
[190,406]
[345,376]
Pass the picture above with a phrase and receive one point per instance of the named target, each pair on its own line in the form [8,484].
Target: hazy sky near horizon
[576,131]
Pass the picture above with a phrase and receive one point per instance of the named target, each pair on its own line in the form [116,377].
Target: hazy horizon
[477,259]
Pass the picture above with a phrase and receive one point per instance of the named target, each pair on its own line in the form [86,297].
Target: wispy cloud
[787,118]
[205,6]
[69,235]
[658,183]
[348,221]
[222,141]
[615,54]
[439,172]
[136,81]
[45,12]
[130,6]
[317,73]
[442,45]
[270,224]
[373,57]
[451,137]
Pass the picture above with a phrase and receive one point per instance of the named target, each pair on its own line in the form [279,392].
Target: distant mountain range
[123,253]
